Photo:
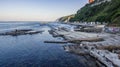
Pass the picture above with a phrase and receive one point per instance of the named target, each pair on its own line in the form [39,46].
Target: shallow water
[31,51]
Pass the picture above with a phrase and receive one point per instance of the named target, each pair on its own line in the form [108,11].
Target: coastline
[100,48]
[106,51]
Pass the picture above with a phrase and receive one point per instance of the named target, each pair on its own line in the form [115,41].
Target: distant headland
[107,11]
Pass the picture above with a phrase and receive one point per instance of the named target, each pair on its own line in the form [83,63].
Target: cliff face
[66,18]
[99,11]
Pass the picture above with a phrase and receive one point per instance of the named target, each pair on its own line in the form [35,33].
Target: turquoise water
[31,51]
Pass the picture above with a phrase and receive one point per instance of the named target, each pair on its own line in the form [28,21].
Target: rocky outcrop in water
[21,32]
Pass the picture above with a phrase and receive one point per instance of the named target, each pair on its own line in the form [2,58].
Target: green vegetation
[105,12]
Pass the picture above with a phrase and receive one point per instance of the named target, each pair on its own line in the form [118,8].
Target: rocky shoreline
[102,46]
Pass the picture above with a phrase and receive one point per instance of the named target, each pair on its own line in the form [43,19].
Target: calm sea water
[31,51]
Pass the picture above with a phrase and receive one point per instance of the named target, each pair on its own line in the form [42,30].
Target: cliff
[98,11]
[66,18]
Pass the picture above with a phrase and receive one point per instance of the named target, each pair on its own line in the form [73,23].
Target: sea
[31,51]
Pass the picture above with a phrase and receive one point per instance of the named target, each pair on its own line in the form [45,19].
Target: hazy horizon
[38,10]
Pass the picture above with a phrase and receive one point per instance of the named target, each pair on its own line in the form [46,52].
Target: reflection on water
[31,51]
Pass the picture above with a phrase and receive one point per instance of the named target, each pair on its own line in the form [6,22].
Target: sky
[38,10]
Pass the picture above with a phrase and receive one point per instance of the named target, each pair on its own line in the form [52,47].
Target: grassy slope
[105,12]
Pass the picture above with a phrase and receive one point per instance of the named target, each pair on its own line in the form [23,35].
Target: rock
[21,32]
